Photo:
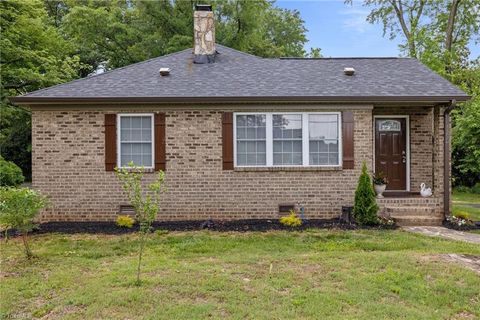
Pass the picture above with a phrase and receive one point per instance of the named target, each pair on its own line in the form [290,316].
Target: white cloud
[355,19]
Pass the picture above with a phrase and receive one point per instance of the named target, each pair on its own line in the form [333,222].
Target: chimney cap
[349,71]
[203,7]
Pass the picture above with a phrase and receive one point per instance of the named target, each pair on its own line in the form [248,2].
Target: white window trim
[305,140]
[407,138]
[119,143]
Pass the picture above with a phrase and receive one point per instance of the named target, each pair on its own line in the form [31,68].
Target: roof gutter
[446,157]
[30,100]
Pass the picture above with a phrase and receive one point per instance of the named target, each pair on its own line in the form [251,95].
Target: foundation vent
[126,209]
[285,208]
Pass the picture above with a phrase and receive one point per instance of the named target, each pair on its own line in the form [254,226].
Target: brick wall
[68,166]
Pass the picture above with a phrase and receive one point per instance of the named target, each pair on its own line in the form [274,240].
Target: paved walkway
[446,233]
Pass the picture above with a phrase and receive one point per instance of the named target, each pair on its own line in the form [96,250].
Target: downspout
[446,157]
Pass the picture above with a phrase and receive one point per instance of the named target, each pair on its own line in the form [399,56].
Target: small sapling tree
[365,207]
[18,209]
[144,199]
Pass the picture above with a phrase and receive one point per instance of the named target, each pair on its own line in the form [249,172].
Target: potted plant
[379,183]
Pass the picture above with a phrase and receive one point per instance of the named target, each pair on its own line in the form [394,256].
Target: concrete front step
[414,216]
[412,220]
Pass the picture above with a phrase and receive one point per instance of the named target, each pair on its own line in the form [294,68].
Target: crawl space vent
[285,208]
[126,209]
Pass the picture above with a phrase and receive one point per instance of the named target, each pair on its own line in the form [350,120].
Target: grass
[318,274]
[465,197]
[460,199]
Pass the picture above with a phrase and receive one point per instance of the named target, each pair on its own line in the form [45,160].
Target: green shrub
[125,221]
[10,174]
[292,220]
[463,189]
[476,188]
[365,208]
[462,215]
[18,209]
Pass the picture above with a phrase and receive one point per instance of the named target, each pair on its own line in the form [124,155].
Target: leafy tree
[10,174]
[33,55]
[145,201]
[18,209]
[466,144]
[117,33]
[365,207]
[53,41]
[438,32]
[315,53]
[15,137]
[440,27]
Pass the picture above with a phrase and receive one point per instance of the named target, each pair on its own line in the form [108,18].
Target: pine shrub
[365,207]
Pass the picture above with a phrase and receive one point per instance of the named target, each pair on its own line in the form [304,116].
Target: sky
[341,30]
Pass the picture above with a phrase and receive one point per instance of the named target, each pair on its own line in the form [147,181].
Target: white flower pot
[379,189]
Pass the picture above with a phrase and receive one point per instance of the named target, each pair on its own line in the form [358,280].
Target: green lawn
[466,197]
[318,274]
[459,201]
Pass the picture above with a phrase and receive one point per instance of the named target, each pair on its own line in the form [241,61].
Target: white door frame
[407,142]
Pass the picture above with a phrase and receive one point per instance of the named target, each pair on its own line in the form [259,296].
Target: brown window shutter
[110,142]
[347,140]
[160,149]
[227,140]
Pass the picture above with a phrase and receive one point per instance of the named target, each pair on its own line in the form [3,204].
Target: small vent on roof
[164,71]
[349,71]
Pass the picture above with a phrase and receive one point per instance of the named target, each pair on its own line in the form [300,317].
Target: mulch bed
[103,227]
[465,227]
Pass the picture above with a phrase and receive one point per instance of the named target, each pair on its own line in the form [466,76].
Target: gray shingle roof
[237,74]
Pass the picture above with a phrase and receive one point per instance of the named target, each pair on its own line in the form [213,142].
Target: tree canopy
[438,33]
[54,41]
[120,32]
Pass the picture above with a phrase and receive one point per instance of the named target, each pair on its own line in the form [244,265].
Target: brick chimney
[203,34]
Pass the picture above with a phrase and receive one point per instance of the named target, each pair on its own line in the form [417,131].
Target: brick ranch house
[240,136]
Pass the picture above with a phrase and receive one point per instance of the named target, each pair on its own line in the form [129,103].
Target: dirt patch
[471,262]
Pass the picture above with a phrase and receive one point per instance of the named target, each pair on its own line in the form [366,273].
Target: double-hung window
[287,139]
[135,140]
[251,140]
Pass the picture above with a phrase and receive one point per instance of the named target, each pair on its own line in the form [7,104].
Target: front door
[391,151]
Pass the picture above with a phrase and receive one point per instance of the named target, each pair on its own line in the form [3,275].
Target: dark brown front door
[391,151]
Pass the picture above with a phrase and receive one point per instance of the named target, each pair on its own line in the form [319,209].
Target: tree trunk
[142,245]
[449,36]
[451,25]
[28,253]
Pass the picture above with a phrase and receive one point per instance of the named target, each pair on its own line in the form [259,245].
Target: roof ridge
[347,58]
[240,52]
[106,72]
